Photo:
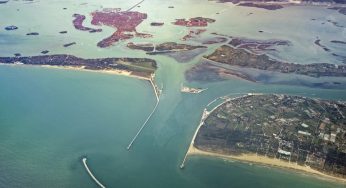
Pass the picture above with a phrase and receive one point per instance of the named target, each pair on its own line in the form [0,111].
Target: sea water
[51,118]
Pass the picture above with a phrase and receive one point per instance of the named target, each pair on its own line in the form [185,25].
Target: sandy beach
[81,68]
[114,71]
[262,160]
[253,158]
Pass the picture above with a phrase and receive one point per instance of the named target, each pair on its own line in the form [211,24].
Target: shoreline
[81,68]
[253,158]
[151,80]
[293,3]
[266,161]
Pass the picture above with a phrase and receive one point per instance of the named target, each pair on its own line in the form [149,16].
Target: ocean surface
[51,118]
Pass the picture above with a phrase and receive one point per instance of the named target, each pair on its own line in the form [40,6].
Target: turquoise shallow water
[50,118]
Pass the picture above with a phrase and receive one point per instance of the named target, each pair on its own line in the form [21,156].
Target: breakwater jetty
[91,174]
[157,92]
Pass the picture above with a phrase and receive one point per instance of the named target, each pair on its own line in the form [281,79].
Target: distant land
[247,59]
[240,57]
[274,5]
[287,131]
[180,52]
[286,1]
[137,67]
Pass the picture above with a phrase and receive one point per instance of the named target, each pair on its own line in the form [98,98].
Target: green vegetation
[297,129]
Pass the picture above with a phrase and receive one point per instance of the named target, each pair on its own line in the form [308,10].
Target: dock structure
[157,92]
[91,174]
[204,116]
[134,6]
[142,127]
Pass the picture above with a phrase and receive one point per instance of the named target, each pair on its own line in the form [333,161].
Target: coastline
[266,161]
[81,68]
[252,157]
[151,79]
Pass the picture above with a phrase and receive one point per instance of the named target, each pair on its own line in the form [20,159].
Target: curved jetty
[91,174]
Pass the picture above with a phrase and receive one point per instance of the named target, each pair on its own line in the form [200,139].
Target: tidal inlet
[179,93]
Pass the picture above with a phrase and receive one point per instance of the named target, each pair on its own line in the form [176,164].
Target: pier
[91,174]
[204,116]
[157,92]
[134,6]
[142,127]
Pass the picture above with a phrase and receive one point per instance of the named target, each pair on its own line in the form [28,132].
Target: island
[228,63]
[267,6]
[288,2]
[78,24]
[185,89]
[194,22]
[32,34]
[242,58]
[193,34]
[338,42]
[136,67]
[45,52]
[318,43]
[335,23]
[156,23]
[125,23]
[285,131]
[11,28]
[214,40]
[180,52]
[69,44]
[341,10]
[257,46]
[166,47]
